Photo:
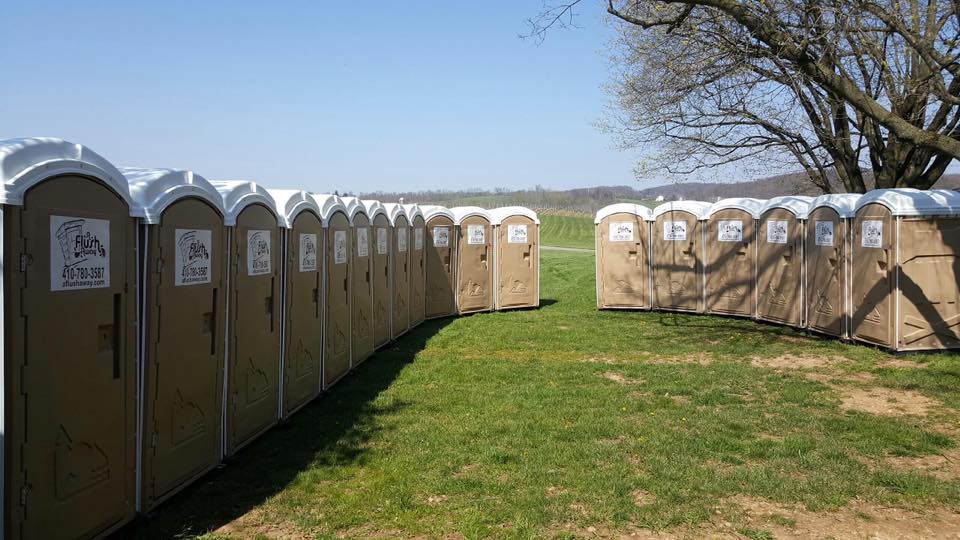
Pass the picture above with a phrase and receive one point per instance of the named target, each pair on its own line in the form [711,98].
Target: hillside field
[571,230]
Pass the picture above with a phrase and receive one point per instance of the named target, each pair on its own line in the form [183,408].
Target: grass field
[568,422]
[568,230]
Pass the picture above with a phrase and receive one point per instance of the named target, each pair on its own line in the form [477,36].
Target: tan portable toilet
[361,280]
[382,280]
[677,258]
[780,260]
[623,256]
[184,265]
[474,259]
[441,259]
[337,294]
[730,256]
[302,245]
[418,269]
[70,243]
[826,261]
[254,311]
[906,259]
[400,268]
[516,238]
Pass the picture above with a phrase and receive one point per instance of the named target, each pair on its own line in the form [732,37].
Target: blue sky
[353,96]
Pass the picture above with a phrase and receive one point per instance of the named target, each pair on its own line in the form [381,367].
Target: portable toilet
[677,259]
[184,265]
[400,268]
[337,294]
[730,256]
[623,256]
[382,284]
[302,245]
[68,211]
[418,270]
[516,237]
[826,261]
[254,311]
[474,265]
[780,259]
[906,259]
[362,281]
[441,254]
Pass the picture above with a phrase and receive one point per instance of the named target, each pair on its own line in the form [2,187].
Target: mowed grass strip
[567,230]
[567,421]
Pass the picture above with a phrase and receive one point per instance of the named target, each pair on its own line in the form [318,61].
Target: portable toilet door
[906,258]
[474,264]
[418,270]
[67,211]
[302,294]
[184,251]
[441,253]
[382,284]
[780,260]
[361,281]
[254,312]
[516,236]
[622,256]
[337,294]
[400,268]
[730,256]
[826,261]
[677,256]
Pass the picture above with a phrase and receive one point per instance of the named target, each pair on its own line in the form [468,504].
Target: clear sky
[323,95]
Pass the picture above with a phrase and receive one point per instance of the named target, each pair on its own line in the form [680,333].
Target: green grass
[571,230]
[542,423]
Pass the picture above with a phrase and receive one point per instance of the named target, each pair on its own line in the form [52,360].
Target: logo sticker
[308,253]
[516,234]
[674,230]
[621,231]
[402,239]
[441,237]
[79,253]
[363,243]
[777,232]
[823,233]
[339,247]
[476,234]
[193,256]
[871,233]
[418,238]
[258,253]
[730,230]
[381,241]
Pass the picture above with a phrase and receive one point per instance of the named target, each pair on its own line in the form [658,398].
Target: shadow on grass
[332,430]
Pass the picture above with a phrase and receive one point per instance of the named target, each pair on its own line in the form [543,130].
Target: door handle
[117,312]
[213,324]
[268,302]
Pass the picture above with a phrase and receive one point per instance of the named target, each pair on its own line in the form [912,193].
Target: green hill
[566,230]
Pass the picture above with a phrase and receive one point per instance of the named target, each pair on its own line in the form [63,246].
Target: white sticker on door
[674,230]
[381,241]
[476,234]
[871,233]
[418,238]
[363,243]
[192,259]
[79,253]
[823,233]
[339,247]
[516,234]
[258,253]
[402,239]
[621,231]
[441,237]
[730,230]
[777,232]
[308,253]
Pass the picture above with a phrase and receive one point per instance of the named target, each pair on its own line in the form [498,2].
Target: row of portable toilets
[156,322]
[881,268]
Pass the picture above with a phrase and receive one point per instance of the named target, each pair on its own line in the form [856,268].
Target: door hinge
[25,260]
[23,495]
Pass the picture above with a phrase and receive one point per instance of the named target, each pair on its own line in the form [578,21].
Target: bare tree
[834,85]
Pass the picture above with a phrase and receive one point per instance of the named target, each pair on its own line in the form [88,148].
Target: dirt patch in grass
[886,401]
[619,378]
[944,466]
[700,358]
[790,361]
[254,525]
[831,379]
[900,363]
[642,497]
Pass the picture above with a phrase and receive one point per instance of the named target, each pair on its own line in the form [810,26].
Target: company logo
[77,245]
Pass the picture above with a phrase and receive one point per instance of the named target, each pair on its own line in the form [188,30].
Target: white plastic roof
[394,212]
[329,205]
[413,210]
[25,163]
[497,215]
[239,194]
[798,204]
[156,189]
[914,202]
[752,206]
[354,207]
[290,202]
[845,204]
[624,208]
[375,208]
[697,208]
[430,211]
[461,213]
